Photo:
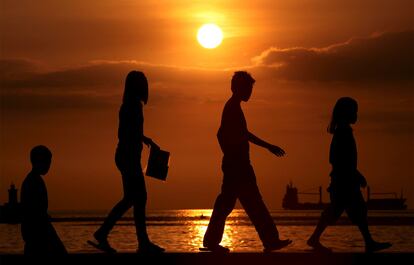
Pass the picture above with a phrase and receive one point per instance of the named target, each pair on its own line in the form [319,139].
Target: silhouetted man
[239,180]
[38,233]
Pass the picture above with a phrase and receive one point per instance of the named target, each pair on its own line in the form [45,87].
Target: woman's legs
[328,217]
[357,211]
[139,197]
[116,213]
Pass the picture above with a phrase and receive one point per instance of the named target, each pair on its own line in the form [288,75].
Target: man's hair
[241,79]
[40,154]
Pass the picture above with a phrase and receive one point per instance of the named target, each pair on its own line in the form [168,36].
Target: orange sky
[63,65]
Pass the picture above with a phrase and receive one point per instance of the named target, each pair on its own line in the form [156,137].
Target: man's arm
[276,150]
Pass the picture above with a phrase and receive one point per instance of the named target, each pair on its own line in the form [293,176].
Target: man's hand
[276,150]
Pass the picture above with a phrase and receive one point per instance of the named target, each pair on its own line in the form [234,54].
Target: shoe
[216,249]
[317,246]
[150,248]
[102,245]
[277,245]
[376,246]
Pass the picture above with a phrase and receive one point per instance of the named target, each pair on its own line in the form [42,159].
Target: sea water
[183,231]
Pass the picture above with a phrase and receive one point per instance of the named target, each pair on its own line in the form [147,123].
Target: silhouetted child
[239,180]
[128,161]
[346,180]
[38,232]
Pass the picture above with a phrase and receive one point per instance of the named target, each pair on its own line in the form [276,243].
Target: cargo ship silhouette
[291,200]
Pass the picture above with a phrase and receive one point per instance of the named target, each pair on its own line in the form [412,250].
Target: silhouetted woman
[128,161]
[346,180]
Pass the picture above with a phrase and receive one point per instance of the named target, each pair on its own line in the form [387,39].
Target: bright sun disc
[209,36]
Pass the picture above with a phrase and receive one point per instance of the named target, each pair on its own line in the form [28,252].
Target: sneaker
[377,246]
[150,248]
[317,246]
[277,245]
[216,249]
[102,244]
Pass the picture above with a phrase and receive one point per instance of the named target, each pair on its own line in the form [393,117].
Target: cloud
[25,85]
[381,57]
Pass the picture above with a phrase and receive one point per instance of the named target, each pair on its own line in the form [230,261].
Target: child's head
[242,85]
[41,158]
[136,88]
[344,113]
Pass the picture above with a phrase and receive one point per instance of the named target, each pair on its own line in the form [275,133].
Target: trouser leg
[252,202]
[223,206]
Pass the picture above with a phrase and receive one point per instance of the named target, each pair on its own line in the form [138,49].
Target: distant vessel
[291,200]
[394,203]
[11,211]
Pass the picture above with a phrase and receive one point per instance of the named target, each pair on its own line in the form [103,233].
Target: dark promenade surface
[306,258]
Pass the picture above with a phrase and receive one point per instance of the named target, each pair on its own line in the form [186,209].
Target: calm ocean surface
[183,230]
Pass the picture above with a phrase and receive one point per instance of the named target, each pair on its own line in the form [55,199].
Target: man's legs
[222,208]
[252,202]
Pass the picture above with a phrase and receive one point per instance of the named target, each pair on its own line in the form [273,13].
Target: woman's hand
[149,142]
[154,145]
[276,150]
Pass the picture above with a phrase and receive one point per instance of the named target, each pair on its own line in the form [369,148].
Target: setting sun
[209,36]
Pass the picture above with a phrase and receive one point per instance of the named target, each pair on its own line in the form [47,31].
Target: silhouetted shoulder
[34,195]
[32,186]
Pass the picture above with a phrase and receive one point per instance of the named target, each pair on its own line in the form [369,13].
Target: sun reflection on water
[198,229]
[183,231]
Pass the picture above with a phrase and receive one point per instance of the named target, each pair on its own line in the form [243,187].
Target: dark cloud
[384,57]
[28,102]
[101,73]
[387,57]
[13,69]
[24,86]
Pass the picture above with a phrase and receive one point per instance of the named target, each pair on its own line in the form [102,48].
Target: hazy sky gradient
[63,66]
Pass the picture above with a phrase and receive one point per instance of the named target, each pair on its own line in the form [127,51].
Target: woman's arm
[149,142]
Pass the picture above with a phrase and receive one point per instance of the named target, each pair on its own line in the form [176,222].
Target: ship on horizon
[291,200]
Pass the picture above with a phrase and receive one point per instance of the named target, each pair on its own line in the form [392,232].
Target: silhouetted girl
[346,180]
[128,161]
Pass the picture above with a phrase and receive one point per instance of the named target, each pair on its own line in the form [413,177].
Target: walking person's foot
[276,245]
[101,244]
[377,246]
[150,248]
[317,246]
[216,249]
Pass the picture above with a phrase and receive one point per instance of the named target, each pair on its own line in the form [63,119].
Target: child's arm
[276,150]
